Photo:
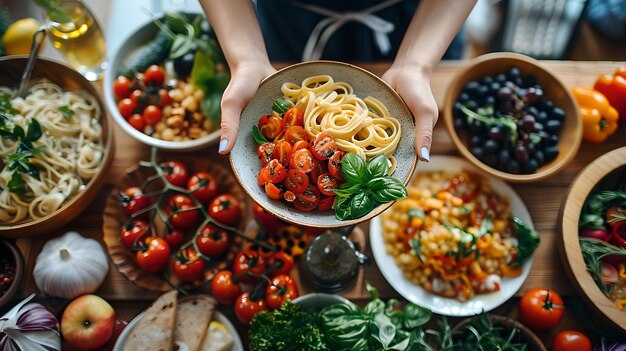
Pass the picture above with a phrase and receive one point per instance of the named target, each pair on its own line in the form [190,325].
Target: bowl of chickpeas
[162,95]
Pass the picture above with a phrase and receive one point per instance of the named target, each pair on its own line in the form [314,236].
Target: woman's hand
[412,83]
[244,82]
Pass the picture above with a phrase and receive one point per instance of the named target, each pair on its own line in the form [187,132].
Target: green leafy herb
[596,206]
[378,166]
[506,121]
[66,111]
[482,333]
[486,226]
[527,241]
[15,184]
[257,135]
[393,190]
[361,204]
[281,105]
[594,251]
[19,160]
[353,168]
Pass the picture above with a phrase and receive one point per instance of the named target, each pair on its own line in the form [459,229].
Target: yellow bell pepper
[599,118]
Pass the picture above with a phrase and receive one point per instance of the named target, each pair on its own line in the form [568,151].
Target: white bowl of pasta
[306,119]
[56,147]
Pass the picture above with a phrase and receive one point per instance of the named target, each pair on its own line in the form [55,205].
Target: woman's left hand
[412,83]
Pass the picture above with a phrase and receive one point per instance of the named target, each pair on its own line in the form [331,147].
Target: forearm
[434,25]
[237,29]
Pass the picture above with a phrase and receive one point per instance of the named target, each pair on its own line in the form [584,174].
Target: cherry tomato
[293,117]
[302,160]
[326,203]
[180,215]
[203,187]
[299,145]
[245,308]
[324,146]
[189,267]
[334,165]
[175,172]
[122,87]
[225,209]
[319,168]
[307,200]
[296,181]
[270,126]
[248,261]
[213,241]
[164,97]
[154,75]
[174,238]
[152,114]
[280,262]
[282,153]
[541,309]
[137,122]
[273,191]
[282,288]
[155,257]
[266,220]
[326,183]
[262,178]
[294,134]
[223,287]
[275,171]
[264,152]
[570,340]
[289,196]
[133,200]
[140,98]
[126,107]
[132,232]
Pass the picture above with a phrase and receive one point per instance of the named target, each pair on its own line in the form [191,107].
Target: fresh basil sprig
[19,160]
[281,105]
[366,186]
[257,135]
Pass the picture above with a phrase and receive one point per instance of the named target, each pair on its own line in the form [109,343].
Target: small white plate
[438,304]
[217,316]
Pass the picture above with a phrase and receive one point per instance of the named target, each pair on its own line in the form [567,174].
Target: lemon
[19,36]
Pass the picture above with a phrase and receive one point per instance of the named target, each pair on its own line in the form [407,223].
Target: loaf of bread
[155,329]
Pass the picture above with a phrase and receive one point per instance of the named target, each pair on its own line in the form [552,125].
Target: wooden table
[542,199]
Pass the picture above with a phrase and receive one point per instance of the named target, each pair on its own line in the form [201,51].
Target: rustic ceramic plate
[246,164]
[584,184]
[436,303]
[114,218]
[11,68]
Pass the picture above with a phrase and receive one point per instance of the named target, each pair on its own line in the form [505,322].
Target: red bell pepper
[614,88]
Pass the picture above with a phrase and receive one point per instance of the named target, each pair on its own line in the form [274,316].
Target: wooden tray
[569,245]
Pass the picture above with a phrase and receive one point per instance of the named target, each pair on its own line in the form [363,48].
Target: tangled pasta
[72,150]
[452,235]
[360,126]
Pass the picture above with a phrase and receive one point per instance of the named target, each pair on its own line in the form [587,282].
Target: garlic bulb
[70,265]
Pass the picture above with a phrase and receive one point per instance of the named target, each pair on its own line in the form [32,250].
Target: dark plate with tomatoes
[184,250]
[312,207]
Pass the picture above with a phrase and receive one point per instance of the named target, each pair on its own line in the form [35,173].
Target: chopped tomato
[294,134]
[270,126]
[326,183]
[293,117]
[299,145]
[324,146]
[303,160]
[334,165]
[282,152]
[289,196]
[326,203]
[308,199]
[273,191]
[275,172]
[319,168]
[264,152]
[296,181]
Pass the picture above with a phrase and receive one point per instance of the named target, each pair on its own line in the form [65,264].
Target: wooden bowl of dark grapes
[512,118]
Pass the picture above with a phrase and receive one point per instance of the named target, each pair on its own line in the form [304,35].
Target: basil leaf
[353,168]
[528,240]
[19,132]
[257,135]
[342,207]
[415,316]
[15,184]
[386,330]
[378,167]
[394,190]
[361,204]
[379,183]
[66,111]
[281,105]
[346,189]
[34,131]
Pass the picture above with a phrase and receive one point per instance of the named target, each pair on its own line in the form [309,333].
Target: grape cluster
[508,123]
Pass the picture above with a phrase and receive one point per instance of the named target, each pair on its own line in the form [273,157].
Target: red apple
[87,322]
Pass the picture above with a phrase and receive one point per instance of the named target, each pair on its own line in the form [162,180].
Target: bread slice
[193,316]
[155,329]
[217,338]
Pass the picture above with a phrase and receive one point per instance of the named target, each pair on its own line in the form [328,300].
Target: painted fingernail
[425,154]
[223,145]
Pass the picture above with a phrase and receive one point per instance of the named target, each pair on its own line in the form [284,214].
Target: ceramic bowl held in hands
[245,161]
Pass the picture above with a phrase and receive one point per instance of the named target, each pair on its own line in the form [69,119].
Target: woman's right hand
[244,82]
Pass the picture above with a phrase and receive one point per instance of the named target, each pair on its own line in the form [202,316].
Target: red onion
[29,326]
[595,233]
[612,347]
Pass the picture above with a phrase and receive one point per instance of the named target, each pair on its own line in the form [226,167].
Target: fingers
[236,96]
[425,111]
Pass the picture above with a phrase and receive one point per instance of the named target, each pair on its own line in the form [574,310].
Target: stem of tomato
[549,305]
[169,282]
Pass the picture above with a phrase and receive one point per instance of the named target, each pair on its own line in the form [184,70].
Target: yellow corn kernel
[433,204]
[499,225]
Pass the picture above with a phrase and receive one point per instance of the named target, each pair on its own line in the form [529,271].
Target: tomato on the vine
[175,172]
[174,238]
[140,98]
[203,187]
[248,261]
[122,87]
[152,114]
[213,241]
[189,266]
[224,289]
[282,288]
[137,122]
[570,340]
[126,107]
[541,309]
[132,232]
[154,75]
[246,308]
[225,209]
[155,256]
[181,216]
[280,262]
[133,200]
[267,221]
